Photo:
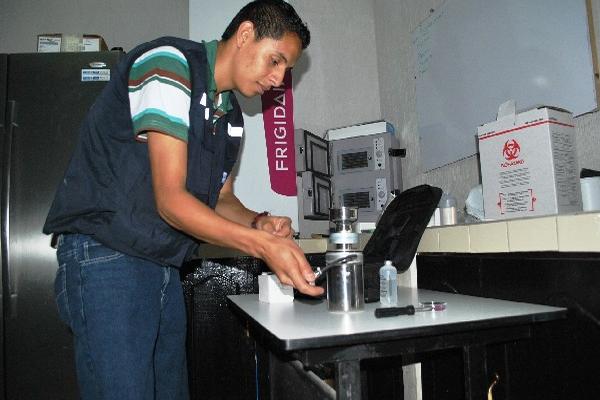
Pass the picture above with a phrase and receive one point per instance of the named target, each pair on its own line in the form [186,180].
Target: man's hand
[285,258]
[278,226]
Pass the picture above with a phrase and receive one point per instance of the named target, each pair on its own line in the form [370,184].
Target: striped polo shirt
[159,91]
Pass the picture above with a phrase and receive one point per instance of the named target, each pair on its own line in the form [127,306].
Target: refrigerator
[43,99]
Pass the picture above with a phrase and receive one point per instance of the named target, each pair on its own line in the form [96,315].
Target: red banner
[278,118]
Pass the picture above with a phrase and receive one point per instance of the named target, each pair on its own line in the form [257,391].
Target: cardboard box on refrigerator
[529,163]
[60,42]
[92,42]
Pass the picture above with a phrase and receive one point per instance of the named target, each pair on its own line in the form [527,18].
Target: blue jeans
[128,319]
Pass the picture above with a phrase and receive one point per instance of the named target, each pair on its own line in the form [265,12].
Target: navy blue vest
[107,189]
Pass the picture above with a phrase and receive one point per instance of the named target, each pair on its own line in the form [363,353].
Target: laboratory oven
[365,170]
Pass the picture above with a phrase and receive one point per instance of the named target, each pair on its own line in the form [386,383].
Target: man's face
[261,65]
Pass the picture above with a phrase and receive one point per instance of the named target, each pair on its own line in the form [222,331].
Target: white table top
[307,324]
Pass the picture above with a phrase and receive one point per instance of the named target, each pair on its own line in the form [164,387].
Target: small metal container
[344,218]
[345,283]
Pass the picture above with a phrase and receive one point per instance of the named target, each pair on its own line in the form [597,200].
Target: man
[149,179]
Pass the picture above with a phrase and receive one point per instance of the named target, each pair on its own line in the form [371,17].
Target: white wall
[338,85]
[121,23]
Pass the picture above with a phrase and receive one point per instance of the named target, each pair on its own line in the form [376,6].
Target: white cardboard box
[529,163]
[49,43]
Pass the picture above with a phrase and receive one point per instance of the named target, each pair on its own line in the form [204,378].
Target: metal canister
[345,284]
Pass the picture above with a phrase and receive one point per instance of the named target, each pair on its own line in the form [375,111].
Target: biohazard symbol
[511,150]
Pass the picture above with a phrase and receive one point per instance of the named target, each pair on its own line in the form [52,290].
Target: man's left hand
[276,225]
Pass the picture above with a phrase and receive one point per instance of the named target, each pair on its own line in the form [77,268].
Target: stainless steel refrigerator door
[49,101]
[3,70]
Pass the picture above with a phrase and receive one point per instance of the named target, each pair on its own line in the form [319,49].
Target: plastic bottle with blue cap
[388,284]
[447,207]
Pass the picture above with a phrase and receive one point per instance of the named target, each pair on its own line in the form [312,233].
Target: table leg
[474,357]
[347,380]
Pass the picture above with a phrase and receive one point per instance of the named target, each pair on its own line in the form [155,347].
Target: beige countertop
[309,246]
[578,232]
[211,251]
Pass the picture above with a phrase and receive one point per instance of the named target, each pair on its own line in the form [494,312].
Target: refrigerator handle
[6,179]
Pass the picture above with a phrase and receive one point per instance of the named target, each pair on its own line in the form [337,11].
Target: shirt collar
[211,56]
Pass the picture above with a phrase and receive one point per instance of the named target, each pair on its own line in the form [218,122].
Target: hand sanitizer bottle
[388,285]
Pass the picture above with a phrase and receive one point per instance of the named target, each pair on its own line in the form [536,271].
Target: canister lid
[343,237]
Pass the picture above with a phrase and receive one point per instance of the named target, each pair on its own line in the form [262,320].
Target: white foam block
[270,290]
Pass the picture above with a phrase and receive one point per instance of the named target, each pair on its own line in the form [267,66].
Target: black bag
[401,227]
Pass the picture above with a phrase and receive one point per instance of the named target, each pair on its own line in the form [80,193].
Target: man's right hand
[285,258]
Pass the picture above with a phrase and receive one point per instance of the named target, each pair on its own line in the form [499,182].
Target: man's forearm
[231,208]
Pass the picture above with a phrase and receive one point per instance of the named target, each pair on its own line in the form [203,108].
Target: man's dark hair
[272,19]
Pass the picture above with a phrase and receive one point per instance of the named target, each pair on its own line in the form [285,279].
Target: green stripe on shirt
[155,120]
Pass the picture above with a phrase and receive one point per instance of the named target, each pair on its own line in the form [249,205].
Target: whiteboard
[473,55]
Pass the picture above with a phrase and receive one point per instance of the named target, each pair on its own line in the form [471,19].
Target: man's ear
[244,33]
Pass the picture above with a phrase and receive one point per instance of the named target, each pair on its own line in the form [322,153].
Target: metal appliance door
[3,73]
[48,101]
[316,196]
[312,152]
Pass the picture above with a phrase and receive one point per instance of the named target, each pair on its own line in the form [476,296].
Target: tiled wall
[575,233]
